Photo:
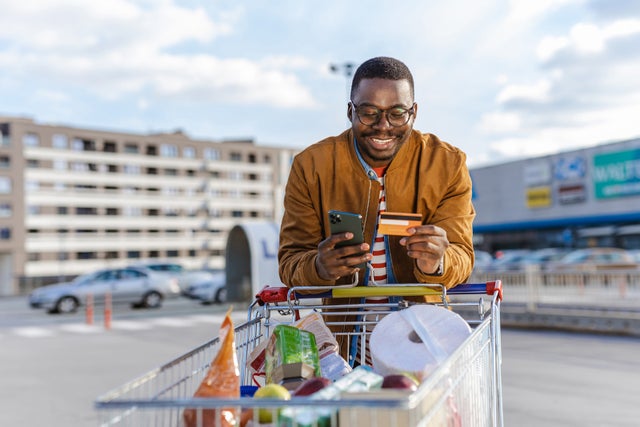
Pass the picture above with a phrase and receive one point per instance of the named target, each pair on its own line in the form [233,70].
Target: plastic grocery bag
[222,381]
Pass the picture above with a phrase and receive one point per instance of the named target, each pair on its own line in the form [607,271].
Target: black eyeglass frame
[410,111]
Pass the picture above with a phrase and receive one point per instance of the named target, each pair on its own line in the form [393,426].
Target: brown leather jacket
[427,176]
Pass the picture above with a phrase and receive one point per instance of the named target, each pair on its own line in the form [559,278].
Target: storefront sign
[570,194]
[616,174]
[539,197]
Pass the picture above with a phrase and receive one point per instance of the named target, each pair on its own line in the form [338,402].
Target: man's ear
[349,111]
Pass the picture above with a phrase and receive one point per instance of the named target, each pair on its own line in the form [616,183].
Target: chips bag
[222,381]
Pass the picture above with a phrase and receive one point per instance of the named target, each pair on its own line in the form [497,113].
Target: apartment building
[73,200]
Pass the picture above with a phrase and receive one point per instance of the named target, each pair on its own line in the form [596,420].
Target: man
[380,164]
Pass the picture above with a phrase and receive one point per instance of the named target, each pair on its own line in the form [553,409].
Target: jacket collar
[367,169]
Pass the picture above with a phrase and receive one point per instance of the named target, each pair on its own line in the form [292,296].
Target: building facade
[73,200]
[582,198]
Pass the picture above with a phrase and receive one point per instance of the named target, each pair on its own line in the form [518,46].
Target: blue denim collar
[368,169]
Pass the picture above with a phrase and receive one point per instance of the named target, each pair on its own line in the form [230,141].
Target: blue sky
[500,79]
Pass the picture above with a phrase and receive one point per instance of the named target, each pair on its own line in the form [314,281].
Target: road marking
[173,322]
[130,325]
[81,328]
[33,332]
[127,325]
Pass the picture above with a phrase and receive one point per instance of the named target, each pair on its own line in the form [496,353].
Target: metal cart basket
[465,390]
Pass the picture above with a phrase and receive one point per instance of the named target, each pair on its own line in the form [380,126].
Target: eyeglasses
[370,115]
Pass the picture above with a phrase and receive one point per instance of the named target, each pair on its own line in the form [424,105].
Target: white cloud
[496,123]
[537,92]
[122,47]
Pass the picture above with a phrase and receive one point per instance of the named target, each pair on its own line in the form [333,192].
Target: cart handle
[488,288]
[274,294]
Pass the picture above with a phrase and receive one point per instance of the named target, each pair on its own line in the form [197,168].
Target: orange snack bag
[222,380]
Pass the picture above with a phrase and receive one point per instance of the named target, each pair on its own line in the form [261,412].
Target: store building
[582,198]
[73,200]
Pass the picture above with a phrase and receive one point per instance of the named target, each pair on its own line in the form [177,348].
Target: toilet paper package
[416,340]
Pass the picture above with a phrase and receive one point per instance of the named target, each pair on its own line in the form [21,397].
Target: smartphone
[341,222]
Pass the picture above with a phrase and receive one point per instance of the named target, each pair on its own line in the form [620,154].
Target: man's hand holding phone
[344,252]
[334,261]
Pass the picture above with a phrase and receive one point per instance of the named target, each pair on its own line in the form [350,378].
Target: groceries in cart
[427,368]
[222,380]
[406,346]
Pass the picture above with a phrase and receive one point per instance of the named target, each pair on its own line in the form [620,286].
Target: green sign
[616,174]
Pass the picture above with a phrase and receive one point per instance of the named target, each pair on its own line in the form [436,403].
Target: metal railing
[599,291]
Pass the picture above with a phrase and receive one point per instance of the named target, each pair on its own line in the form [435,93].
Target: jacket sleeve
[300,231]
[455,214]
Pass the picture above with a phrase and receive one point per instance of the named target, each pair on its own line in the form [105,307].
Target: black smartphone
[341,222]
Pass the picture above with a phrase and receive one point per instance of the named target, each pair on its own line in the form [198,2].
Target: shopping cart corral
[465,389]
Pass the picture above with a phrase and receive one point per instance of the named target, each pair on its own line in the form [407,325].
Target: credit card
[396,223]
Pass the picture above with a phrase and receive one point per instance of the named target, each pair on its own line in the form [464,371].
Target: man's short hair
[382,67]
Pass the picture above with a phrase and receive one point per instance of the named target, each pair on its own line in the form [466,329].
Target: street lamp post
[346,69]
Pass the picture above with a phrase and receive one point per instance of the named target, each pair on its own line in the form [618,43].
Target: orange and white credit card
[396,223]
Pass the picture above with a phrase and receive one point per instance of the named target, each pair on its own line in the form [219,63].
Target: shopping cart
[465,389]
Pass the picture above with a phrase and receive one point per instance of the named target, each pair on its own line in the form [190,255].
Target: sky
[501,79]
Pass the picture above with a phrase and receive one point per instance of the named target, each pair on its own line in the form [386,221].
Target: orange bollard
[107,311]
[89,309]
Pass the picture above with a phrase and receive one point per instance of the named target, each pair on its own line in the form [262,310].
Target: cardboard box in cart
[291,357]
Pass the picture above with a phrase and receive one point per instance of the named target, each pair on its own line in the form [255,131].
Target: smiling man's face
[378,143]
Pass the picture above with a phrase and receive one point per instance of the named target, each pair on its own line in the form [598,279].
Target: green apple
[270,391]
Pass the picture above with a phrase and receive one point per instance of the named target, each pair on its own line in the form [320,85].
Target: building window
[189,152]
[79,144]
[236,214]
[152,150]
[60,164]
[131,169]
[168,150]
[5,210]
[111,255]
[33,163]
[235,175]
[59,141]
[154,254]
[5,233]
[33,209]
[30,140]
[110,147]
[32,185]
[86,255]
[5,162]
[33,256]
[131,211]
[80,210]
[236,157]
[5,141]
[171,172]
[131,148]
[112,211]
[133,254]
[173,254]
[211,154]
[62,210]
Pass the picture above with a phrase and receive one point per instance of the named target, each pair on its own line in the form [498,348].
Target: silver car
[138,286]
[207,287]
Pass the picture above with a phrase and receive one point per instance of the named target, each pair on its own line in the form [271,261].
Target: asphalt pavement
[52,368]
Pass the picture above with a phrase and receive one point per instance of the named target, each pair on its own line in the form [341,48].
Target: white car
[207,287]
[138,286]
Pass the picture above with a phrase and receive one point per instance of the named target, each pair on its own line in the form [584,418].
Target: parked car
[544,258]
[508,260]
[208,287]
[596,259]
[171,269]
[138,286]
[482,260]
